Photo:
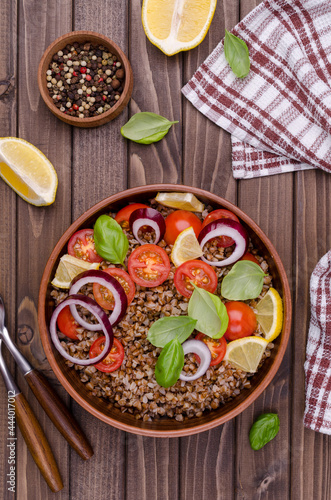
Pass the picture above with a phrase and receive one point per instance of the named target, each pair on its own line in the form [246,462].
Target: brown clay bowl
[164,427]
[97,38]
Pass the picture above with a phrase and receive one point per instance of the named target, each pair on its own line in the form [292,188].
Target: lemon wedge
[182,201]
[176,25]
[186,247]
[27,171]
[69,267]
[246,353]
[270,314]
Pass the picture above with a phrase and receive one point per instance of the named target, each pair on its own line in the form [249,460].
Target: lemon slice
[186,247]
[27,170]
[69,267]
[246,353]
[175,25]
[182,201]
[270,314]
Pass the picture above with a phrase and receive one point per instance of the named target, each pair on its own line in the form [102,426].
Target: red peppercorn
[70,109]
[100,79]
[104,97]
[88,78]
[75,106]
[83,70]
[75,73]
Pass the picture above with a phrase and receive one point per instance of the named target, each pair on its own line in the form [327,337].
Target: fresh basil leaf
[169,364]
[168,328]
[146,127]
[243,282]
[110,241]
[264,429]
[209,311]
[237,55]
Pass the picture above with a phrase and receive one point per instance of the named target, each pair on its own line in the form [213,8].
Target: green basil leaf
[168,328]
[264,429]
[237,55]
[243,282]
[209,311]
[110,241]
[146,127]
[169,364]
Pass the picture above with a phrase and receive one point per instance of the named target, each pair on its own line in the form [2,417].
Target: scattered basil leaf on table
[146,127]
[243,282]
[168,328]
[169,364]
[237,55]
[210,313]
[110,241]
[264,429]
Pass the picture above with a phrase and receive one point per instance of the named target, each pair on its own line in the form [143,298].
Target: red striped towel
[279,116]
[318,356]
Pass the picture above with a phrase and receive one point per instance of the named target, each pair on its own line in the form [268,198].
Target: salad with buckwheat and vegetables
[165,308]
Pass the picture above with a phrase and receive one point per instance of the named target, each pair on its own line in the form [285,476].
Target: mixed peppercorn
[85,80]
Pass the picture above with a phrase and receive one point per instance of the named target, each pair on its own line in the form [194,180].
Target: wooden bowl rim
[93,121]
[145,190]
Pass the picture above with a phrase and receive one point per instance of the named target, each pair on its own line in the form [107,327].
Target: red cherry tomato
[222,241]
[123,215]
[67,323]
[201,273]
[249,256]
[114,359]
[81,246]
[105,298]
[149,265]
[179,220]
[217,348]
[242,320]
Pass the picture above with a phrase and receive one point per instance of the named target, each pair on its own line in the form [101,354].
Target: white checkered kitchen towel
[279,116]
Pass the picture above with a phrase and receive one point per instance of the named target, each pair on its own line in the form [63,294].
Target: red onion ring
[103,279]
[147,217]
[202,350]
[225,227]
[103,325]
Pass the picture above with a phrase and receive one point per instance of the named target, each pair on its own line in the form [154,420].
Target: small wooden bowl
[96,38]
[165,427]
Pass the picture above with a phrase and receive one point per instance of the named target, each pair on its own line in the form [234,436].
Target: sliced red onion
[109,282]
[147,217]
[225,227]
[104,325]
[202,350]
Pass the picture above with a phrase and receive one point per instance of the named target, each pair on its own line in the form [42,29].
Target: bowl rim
[144,190]
[92,121]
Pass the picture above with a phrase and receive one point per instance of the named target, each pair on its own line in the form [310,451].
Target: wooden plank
[207,164]
[38,229]
[8,38]
[311,451]
[99,170]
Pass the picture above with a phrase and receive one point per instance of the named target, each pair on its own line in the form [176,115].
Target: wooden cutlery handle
[37,443]
[59,413]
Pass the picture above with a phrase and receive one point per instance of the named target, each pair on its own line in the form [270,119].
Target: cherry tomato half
[105,298]
[201,273]
[81,246]
[123,215]
[217,348]
[114,359]
[242,320]
[179,220]
[67,323]
[249,256]
[149,265]
[221,213]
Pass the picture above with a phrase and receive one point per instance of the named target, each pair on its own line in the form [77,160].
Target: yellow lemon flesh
[270,314]
[176,25]
[186,247]
[27,170]
[246,353]
[182,201]
[69,267]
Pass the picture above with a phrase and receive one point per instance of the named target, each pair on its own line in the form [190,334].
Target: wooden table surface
[293,209]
